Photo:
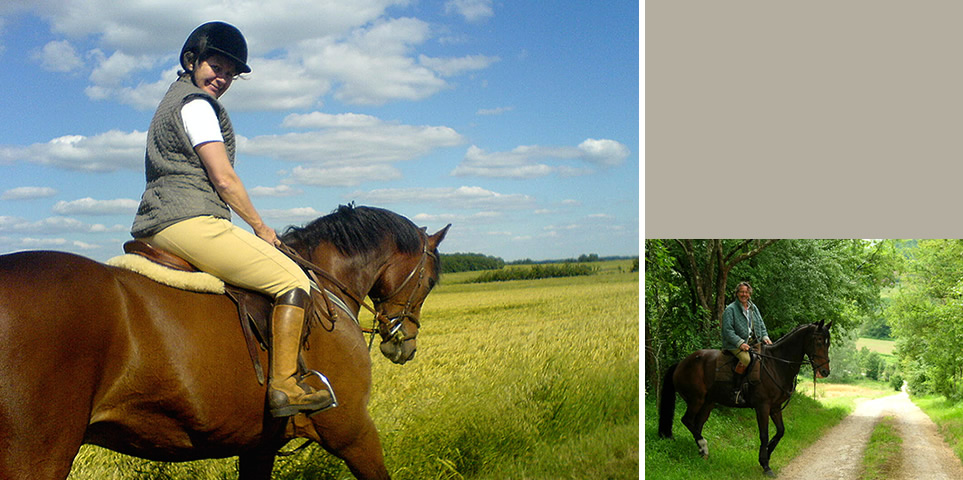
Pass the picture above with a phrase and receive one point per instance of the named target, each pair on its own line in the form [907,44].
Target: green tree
[926,316]
[872,364]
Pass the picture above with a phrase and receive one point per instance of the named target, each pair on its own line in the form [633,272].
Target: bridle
[387,327]
[816,337]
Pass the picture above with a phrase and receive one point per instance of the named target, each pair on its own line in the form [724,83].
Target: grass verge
[948,416]
[882,455]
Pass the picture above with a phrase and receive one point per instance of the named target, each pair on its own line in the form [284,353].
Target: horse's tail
[667,404]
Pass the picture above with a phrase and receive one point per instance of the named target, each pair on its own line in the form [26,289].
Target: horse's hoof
[769,473]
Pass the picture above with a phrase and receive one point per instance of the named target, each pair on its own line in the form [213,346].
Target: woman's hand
[268,234]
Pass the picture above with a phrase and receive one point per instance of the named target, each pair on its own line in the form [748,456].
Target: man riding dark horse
[742,328]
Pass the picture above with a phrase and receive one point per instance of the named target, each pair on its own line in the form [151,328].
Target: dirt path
[839,454]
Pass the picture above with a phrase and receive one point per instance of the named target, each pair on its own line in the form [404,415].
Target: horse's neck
[790,349]
[357,274]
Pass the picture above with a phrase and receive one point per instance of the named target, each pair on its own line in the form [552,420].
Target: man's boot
[285,396]
[740,392]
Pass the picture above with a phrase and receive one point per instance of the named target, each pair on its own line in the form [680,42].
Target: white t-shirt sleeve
[200,122]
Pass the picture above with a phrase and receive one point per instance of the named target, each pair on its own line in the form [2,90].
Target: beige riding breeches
[235,255]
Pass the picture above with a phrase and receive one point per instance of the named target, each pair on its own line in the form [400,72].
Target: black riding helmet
[217,37]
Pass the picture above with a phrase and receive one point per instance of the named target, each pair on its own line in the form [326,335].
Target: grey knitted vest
[177,184]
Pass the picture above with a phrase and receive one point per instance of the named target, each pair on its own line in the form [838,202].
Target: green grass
[948,416]
[534,379]
[881,459]
[883,347]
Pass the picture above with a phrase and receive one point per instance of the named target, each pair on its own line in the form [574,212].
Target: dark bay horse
[694,379]
[95,354]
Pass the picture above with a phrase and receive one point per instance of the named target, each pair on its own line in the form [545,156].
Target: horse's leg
[776,416]
[37,460]
[362,454]
[762,418]
[40,432]
[695,418]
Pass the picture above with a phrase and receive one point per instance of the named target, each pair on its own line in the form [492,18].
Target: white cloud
[449,67]
[344,175]
[472,10]
[27,193]
[30,242]
[494,111]
[291,214]
[353,49]
[265,90]
[327,120]
[351,140]
[105,152]
[449,197]
[113,69]
[59,56]
[145,96]
[278,191]
[603,152]
[475,218]
[373,66]
[89,206]
[55,225]
[531,161]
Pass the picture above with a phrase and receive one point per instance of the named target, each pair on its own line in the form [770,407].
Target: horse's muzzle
[823,371]
[399,351]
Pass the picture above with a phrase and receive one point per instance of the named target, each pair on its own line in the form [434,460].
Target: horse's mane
[357,231]
[791,333]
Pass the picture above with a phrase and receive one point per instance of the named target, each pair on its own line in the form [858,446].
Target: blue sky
[517,122]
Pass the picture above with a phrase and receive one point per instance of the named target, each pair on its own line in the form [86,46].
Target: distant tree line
[536,272]
[583,258]
[469,262]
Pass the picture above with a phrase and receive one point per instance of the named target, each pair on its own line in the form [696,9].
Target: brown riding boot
[285,396]
[740,392]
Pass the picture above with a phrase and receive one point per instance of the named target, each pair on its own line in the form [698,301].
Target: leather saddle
[254,309]
[726,365]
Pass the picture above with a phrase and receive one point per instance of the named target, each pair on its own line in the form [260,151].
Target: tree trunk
[708,283]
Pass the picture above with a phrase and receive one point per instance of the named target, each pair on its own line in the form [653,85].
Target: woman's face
[214,75]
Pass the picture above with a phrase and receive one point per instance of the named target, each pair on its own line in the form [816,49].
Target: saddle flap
[156,255]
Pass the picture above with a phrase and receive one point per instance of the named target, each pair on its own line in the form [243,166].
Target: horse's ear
[820,324]
[435,239]
[829,326]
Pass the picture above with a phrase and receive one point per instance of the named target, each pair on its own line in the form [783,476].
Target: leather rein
[387,327]
[772,377]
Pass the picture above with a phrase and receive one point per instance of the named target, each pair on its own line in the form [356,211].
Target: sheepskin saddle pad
[171,271]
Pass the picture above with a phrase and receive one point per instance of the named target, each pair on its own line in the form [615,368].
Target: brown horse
[96,354]
[694,379]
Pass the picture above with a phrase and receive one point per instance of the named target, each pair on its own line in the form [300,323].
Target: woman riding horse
[191,189]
